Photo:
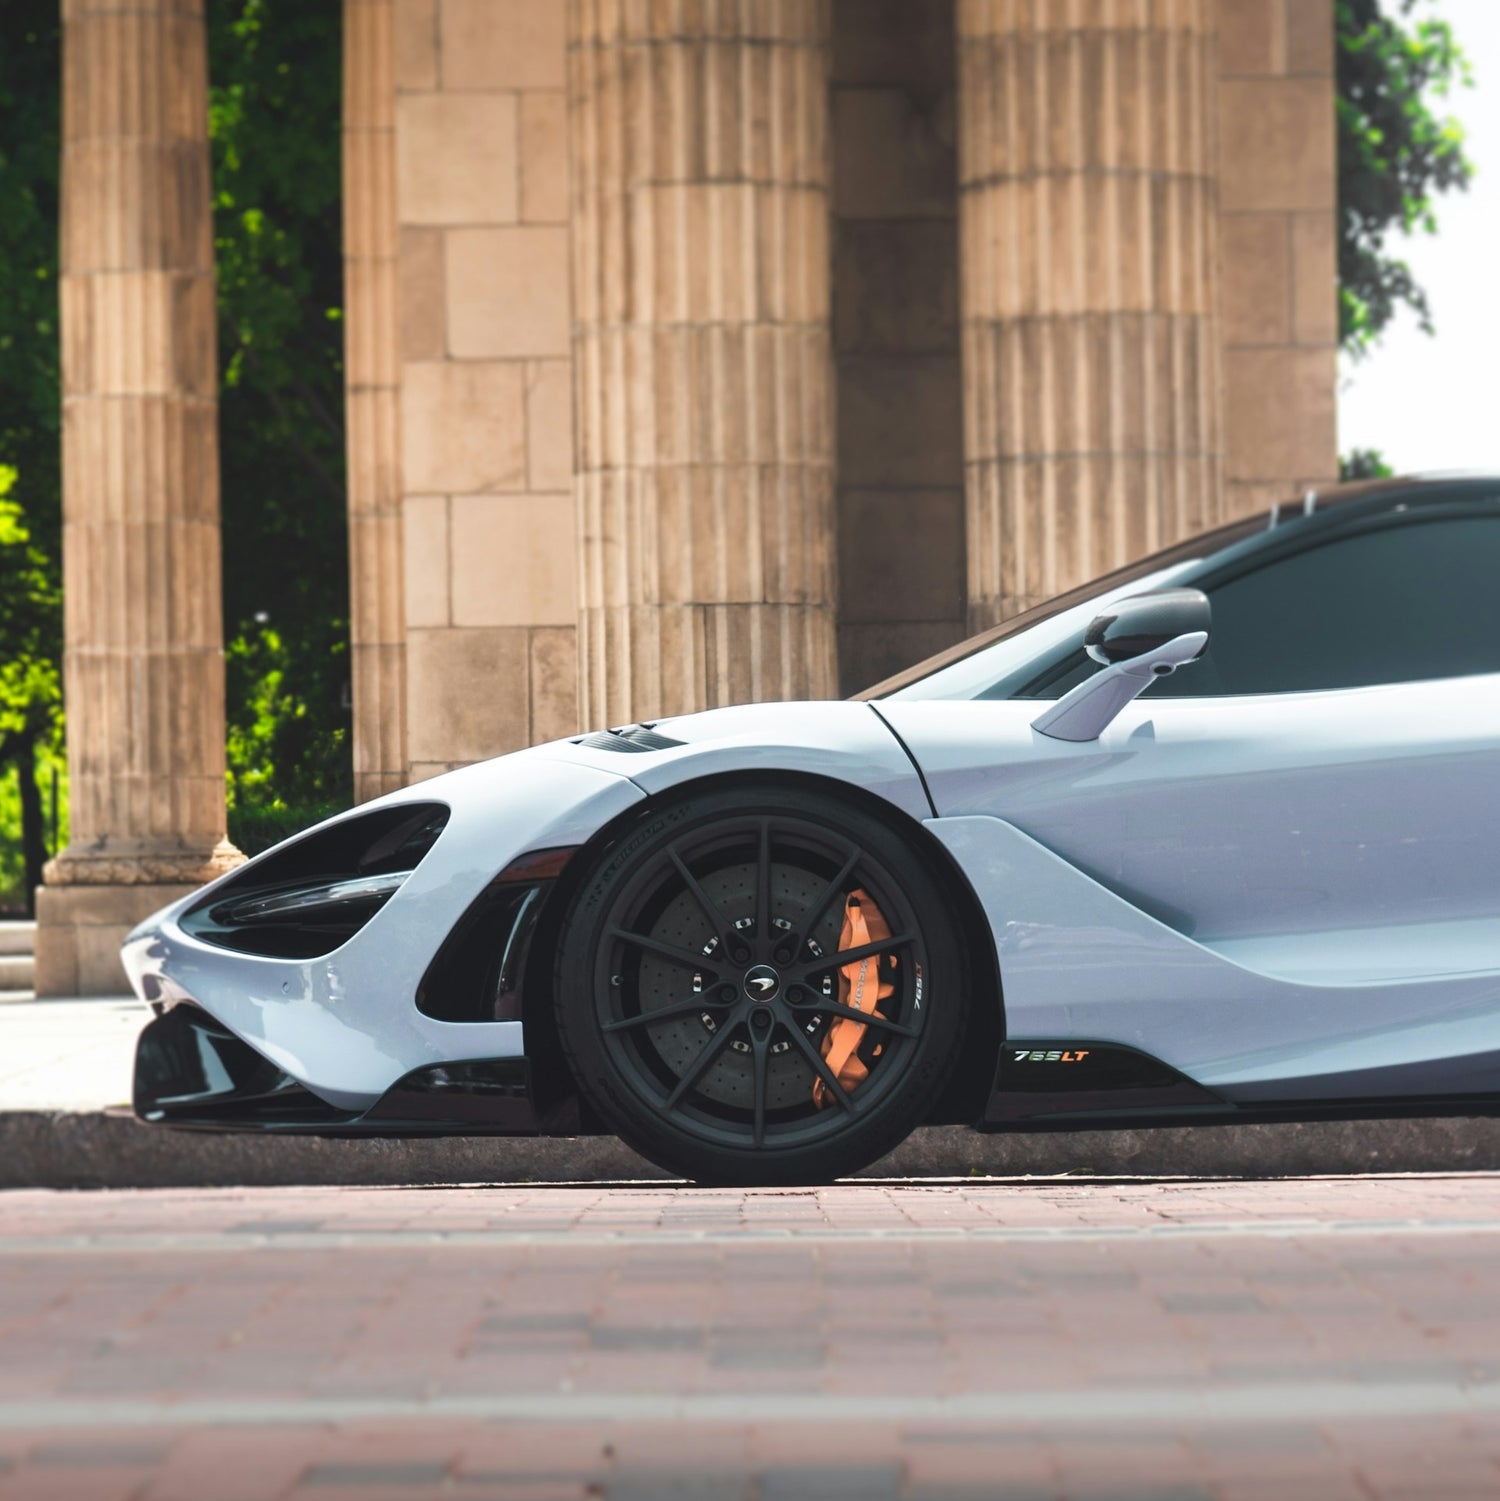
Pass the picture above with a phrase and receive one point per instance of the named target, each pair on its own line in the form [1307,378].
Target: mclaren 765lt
[1213,839]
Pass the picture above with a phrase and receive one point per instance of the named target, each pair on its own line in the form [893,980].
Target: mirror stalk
[1085,712]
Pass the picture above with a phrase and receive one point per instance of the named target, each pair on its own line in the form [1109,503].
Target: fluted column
[1088,273]
[372,380]
[143,665]
[701,353]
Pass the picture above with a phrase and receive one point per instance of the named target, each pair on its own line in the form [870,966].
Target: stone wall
[1277,224]
[372,399]
[490,543]
[143,666]
[1088,219]
[701,288]
[489,538]
[896,336]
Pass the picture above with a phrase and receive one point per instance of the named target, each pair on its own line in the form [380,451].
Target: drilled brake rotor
[662,983]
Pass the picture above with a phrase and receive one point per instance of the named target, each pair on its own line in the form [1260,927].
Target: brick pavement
[1316,1338]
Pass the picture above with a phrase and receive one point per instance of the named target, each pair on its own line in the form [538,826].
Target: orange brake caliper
[861,986]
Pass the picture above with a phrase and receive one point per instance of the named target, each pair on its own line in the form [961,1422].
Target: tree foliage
[30,423]
[1396,153]
[1364,463]
[274,124]
[274,75]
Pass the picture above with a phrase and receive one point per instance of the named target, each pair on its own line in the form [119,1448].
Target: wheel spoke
[760,1054]
[821,1068]
[665,950]
[704,900]
[700,1066]
[763,891]
[869,1018]
[811,916]
[848,956]
[690,1007]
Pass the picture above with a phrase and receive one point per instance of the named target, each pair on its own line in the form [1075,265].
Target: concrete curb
[113,1150]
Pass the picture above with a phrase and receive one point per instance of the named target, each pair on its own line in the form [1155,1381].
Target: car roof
[1376,493]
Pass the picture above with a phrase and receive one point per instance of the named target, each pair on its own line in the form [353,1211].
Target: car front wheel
[761,986]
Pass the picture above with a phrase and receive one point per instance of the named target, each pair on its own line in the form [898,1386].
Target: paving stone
[1190,1303]
[605,1338]
[84,1454]
[870,1483]
[375,1474]
[667,1487]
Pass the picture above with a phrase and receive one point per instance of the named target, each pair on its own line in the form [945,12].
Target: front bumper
[346,1027]
[193,1072]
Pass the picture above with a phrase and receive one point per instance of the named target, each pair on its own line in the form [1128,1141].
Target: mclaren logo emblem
[762,983]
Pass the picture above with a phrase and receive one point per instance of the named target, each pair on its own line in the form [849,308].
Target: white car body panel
[1077,961]
[1184,883]
[842,741]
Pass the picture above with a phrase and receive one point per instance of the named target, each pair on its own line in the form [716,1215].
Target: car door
[1312,804]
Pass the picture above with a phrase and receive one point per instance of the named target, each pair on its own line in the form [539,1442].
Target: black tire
[720,1087]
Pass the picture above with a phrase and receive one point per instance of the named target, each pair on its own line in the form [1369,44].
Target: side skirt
[1039,1081]
[1043,1084]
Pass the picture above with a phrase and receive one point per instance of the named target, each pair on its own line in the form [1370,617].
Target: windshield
[972,668]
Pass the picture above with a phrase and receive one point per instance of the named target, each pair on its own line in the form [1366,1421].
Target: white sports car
[1209,840]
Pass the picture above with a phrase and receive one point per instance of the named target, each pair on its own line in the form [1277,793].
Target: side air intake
[307,897]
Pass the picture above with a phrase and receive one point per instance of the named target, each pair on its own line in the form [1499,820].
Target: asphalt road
[1320,1338]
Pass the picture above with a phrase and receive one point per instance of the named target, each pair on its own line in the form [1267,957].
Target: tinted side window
[1417,599]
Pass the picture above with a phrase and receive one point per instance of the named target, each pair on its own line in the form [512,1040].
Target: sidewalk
[72,1055]
[65,1081]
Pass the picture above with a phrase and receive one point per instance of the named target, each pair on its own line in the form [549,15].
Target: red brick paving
[1050,1339]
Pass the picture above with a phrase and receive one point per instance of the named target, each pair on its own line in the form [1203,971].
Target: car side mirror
[1138,640]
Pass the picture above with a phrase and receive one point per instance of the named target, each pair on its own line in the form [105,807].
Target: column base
[79,930]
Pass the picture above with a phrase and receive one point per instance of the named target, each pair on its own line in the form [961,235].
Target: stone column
[143,665]
[1278,240]
[701,353]
[372,388]
[1088,286]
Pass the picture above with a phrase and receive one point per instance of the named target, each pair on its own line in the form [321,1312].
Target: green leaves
[30,439]
[1395,155]
[30,608]
[274,123]
[1364,463]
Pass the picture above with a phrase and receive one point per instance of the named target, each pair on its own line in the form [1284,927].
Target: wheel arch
[962,1102]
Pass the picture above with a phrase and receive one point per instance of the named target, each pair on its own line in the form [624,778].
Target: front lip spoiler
[192,1073]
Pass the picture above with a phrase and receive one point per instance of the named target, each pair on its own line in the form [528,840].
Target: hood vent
[637,738]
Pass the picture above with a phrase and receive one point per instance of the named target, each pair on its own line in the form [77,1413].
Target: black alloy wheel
[698,984]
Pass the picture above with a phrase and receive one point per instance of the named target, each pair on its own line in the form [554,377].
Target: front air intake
[307,897]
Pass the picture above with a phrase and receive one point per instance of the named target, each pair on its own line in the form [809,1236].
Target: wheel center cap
[762,983]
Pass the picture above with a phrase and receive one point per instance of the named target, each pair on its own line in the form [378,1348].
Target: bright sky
[1434,403]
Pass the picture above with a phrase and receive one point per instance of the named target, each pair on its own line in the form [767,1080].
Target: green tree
[30,690]
[274,73]
[1396,153]
[30,474]
[274,122]
[1364,463]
